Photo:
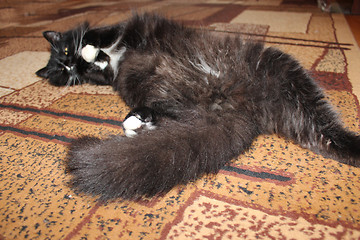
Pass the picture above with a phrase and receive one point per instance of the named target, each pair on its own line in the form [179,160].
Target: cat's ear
[52,36]
[43,73]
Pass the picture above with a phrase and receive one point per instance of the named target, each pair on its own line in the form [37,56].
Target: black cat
[210,98]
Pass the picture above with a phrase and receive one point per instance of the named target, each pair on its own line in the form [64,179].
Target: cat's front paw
[89,53]
[137,119]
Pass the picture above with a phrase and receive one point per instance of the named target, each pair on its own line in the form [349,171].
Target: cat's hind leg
[137,119]
[302,113]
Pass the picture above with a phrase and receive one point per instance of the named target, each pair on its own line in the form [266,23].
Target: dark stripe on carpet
[41,135]
[262,175]
[64,114]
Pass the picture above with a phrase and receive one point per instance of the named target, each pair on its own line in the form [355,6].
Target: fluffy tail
[155,161]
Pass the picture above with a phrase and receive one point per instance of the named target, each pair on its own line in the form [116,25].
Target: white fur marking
[204,67]
[89,53]
[150,126]
[130,133]
[101,65]
[207,69]
[115,55]
[132,123]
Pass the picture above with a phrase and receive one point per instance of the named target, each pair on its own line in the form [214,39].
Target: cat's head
[65,63]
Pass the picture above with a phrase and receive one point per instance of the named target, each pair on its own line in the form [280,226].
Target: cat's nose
[70,68]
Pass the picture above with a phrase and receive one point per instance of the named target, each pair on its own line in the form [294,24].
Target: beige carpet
[277,190]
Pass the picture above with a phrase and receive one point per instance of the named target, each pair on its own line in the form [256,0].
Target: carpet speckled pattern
[276,190]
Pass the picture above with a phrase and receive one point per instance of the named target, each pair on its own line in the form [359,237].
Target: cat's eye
[66,51]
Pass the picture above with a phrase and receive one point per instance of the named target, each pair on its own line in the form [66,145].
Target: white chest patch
[204,67]
[116,55]
[89,54]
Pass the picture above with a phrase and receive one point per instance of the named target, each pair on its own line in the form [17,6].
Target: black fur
[211,98]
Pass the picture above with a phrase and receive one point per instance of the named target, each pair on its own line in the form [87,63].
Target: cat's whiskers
[68,83]
[71,81]
[66,86]
[79,43]
[76,43]
[59,62]
[77,79]
[73,78]
[53,47]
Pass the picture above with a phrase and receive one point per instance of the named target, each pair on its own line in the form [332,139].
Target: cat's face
[65,66]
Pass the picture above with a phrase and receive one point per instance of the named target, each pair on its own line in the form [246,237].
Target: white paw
[132,123]
[130,133]
[89,53]
[101,65]
[150,126]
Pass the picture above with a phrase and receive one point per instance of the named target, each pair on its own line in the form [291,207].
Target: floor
[350,9]
[275,190]
[354,23]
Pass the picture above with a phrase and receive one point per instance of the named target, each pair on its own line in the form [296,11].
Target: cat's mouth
[73,76]
[71,70]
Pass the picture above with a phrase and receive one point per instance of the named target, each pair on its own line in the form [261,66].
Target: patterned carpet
[277,190]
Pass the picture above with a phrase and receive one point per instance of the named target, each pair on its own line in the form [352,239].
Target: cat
[206,98]
[66,65]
